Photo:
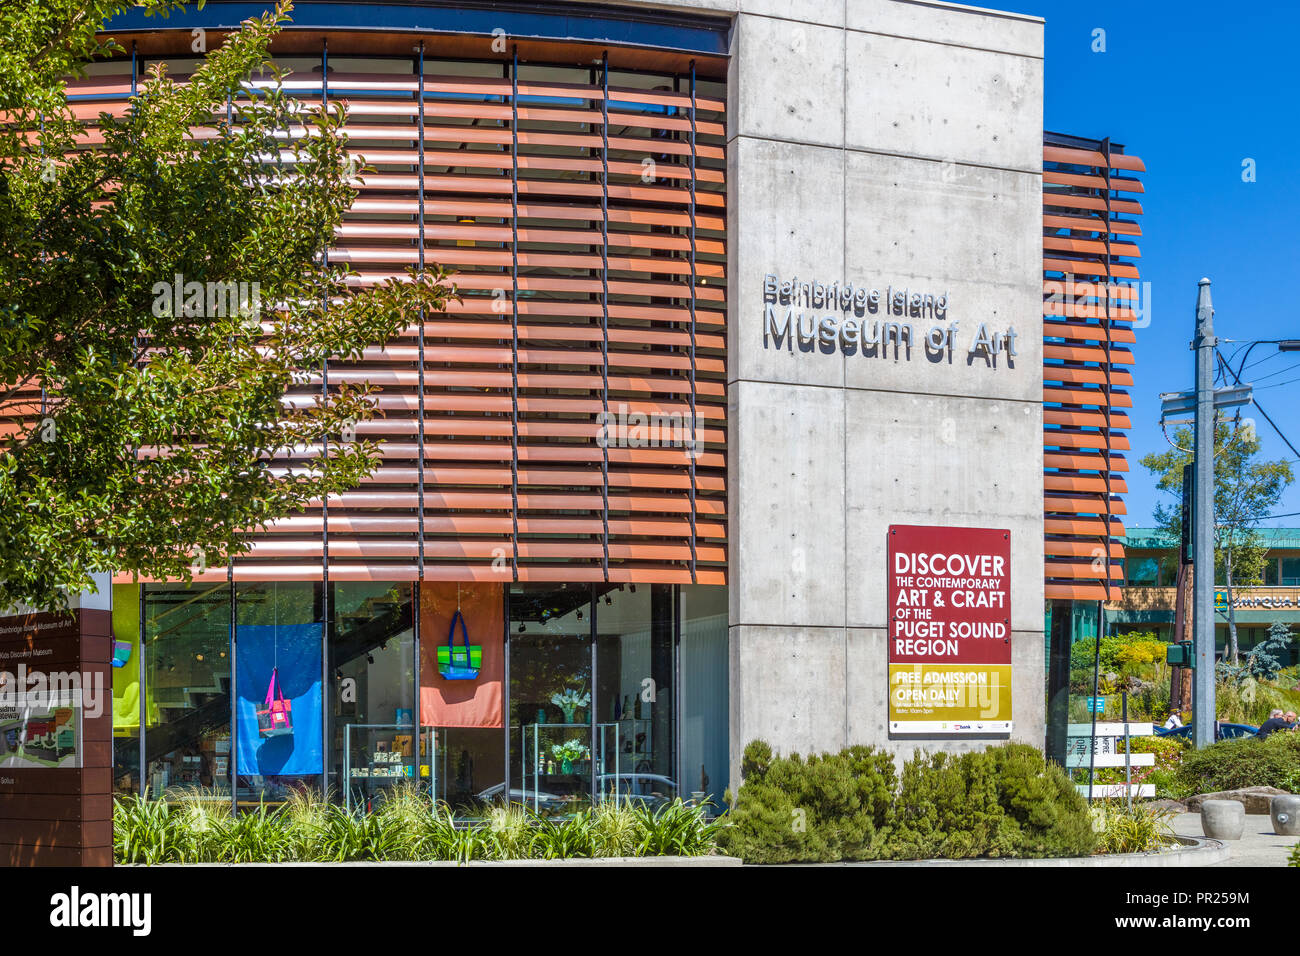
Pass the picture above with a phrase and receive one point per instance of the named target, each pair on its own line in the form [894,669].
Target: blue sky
[1195,88]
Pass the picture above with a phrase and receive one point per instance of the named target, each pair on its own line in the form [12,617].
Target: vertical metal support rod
[604,310]
[693,449]
[234,697]
[1203,709]
[1106,347]
[679,767]
[325,514]
[419,407]
[1128,760]
[417,588]
[514,313]
[144,767]
[592,715]
[1092,704]
[135,71]
[505,679]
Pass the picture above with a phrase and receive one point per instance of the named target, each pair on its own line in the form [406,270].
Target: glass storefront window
[613,691]
[704,668]
[278,636]
[553,733]
[187,688]
[372,666]
[1142,570]
[634,693]
[463,760]
[1271,576]
[1290,572]
[126,688]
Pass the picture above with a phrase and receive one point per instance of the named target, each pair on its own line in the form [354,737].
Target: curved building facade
[748,423]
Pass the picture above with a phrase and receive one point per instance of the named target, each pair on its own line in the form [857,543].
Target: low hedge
[1004,801]
[407,827]
[1243,762]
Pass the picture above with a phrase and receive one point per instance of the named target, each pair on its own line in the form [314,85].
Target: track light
[579,615]
[521,628]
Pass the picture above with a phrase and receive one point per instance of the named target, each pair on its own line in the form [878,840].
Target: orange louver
[1091,305]
[542,429]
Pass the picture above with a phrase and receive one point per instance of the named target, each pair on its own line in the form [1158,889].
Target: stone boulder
[1254,799]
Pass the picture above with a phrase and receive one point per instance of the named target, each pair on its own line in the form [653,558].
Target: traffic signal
[1180,655]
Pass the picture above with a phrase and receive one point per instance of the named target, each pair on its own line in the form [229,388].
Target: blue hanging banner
[294,652]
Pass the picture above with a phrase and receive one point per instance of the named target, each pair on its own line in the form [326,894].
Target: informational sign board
[949,594]
[56,738]
[40,710]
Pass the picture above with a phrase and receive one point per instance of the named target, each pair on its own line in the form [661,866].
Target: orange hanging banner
[462,703]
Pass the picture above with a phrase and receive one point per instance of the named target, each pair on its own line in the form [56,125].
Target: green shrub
[950,806]
[1135,829]
[1243,762]
[1249,701]
[145,831]
[825,808]
[407,826]
[1052,816]
[1003,801]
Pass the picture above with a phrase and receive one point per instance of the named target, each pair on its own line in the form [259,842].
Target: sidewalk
[1259,845]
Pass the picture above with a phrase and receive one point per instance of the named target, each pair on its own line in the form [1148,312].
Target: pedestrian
[1289,717]
[1276,721]
[1175,720]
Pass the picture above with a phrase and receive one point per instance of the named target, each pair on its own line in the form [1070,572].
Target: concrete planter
[1223,819]
[1285,814]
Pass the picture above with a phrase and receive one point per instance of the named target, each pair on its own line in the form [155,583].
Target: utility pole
[1204,713]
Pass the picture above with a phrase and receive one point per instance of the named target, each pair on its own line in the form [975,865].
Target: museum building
[760,305]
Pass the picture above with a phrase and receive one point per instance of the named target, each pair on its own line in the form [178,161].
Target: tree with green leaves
[162,288]
[1246,491]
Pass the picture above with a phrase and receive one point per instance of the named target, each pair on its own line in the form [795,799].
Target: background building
[1147,602]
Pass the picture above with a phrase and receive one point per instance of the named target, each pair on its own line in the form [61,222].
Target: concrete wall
[888,143]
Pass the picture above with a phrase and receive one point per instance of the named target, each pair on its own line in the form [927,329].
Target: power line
[1281,371]
[1266,358]
[1280,435]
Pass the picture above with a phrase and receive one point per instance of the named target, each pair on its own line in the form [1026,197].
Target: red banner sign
[949,597]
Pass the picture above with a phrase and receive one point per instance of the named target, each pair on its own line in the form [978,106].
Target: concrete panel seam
[959,46]
[887,391]
[788,625]
[1036,171]
[786,141]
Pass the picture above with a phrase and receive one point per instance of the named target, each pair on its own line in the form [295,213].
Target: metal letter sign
[949,594]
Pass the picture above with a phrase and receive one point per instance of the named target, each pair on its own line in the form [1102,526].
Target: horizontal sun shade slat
[1091,304]
[587,233]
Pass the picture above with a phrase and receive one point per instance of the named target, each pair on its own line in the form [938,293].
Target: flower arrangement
[570,750]
[569,700]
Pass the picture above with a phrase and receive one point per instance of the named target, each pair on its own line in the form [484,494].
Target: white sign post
[1106,752]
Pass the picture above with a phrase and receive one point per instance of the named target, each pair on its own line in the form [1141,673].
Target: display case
[377,757]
